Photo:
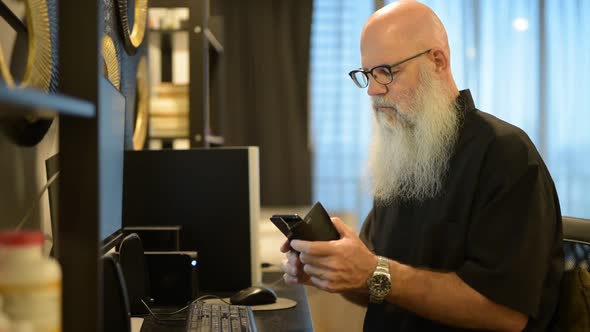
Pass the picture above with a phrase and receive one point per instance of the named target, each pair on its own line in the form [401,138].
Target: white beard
[410,151]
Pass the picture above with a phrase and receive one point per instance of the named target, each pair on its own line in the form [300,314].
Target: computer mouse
[254,295]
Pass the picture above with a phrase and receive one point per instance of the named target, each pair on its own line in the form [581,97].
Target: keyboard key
[206,317]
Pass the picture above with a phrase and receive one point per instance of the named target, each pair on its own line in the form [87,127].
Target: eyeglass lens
[381,74]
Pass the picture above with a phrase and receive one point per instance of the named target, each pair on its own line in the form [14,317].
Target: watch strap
[381,271]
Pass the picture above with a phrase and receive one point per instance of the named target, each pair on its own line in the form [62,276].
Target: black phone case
[316,226]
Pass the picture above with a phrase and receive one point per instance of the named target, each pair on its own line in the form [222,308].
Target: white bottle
[29,282]
[19,326]
[4,320]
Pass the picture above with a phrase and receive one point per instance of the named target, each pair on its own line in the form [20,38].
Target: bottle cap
[21,238]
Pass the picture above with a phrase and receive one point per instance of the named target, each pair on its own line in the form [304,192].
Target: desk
[296,319]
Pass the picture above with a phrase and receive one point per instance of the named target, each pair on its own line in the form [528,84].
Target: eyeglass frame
[388,67]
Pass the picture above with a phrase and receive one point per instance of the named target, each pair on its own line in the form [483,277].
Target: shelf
[167,137]
[168,3]
[213,41]
[182,27]
[27,102]
[215,140]
[168,30]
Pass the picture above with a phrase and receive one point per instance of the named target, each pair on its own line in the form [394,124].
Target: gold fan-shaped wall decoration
[142,105]
[132,38]
[40,61]
[111,62]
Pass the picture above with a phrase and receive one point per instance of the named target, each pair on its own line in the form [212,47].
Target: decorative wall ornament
[5,71]
[111,61]
[41,70]
[141,105]
[132,38]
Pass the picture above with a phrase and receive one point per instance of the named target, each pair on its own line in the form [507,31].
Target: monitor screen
[111,151]
[110,233]
[111,122]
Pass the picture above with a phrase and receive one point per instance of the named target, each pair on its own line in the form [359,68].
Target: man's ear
[441,60]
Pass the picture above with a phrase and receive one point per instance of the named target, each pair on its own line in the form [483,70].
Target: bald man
[465,230]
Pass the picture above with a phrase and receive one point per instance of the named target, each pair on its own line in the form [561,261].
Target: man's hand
[293,267]
[334,266]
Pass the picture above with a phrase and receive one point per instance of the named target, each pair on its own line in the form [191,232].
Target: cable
[266,265]
[276,282]
[35,202]
[155,316]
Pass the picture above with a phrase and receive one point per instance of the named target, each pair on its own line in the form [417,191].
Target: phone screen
[285,222]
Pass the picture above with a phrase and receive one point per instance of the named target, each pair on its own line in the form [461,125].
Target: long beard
[412,145]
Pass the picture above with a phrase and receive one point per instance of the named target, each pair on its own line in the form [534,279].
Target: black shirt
[496,223]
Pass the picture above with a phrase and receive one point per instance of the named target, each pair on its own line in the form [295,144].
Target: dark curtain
[267,101]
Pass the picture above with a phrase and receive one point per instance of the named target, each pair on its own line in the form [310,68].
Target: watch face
[379,285]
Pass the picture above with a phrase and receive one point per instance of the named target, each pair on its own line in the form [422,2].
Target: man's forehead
[378,49]
[376,57]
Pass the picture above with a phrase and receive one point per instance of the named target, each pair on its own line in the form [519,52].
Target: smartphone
[316,226]
[285,222]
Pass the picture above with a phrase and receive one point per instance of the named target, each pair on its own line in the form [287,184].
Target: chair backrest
[573,313]
[576,237]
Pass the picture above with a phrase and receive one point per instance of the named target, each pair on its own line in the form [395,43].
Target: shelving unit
[206,66]
[22,102]
[84,96]
[90,110]
[31,103]
[81,28]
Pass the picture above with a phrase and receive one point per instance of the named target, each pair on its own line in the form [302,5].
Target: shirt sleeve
[513,228]
[366,233]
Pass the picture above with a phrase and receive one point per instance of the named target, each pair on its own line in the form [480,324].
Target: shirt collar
[465,101]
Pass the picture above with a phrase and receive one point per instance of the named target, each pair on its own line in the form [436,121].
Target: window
[341,112]
[525,61]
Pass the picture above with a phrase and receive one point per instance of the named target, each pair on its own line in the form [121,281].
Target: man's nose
[375,88]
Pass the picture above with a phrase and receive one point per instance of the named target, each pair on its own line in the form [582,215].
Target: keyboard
[207,317]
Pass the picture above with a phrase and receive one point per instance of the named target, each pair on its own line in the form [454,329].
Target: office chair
[134,267]
[115,311]
[576,237]
[574,302]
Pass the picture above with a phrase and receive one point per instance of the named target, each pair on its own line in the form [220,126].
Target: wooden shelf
[206,69]
[169,3]
[168,30]
[215,140]
[213,41]
[27,102]
[168,137]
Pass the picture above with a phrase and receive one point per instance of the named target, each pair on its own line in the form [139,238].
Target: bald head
[400,31]
[403,28]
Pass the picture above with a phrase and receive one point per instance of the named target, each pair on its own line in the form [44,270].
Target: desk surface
[297,319]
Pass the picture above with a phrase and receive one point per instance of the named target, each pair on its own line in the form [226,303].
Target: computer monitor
[214,195]
[111,124]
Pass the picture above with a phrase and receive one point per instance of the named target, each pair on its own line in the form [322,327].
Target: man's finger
[322,284]
[289,279]
[314,271]
[285,247]
[288,267]
[293,257]
[322,261]
[316,248]
[341,227]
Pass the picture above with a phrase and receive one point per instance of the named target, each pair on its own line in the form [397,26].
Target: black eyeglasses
[382,74]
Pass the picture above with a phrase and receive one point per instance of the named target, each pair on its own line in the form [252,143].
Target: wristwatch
[380,282]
